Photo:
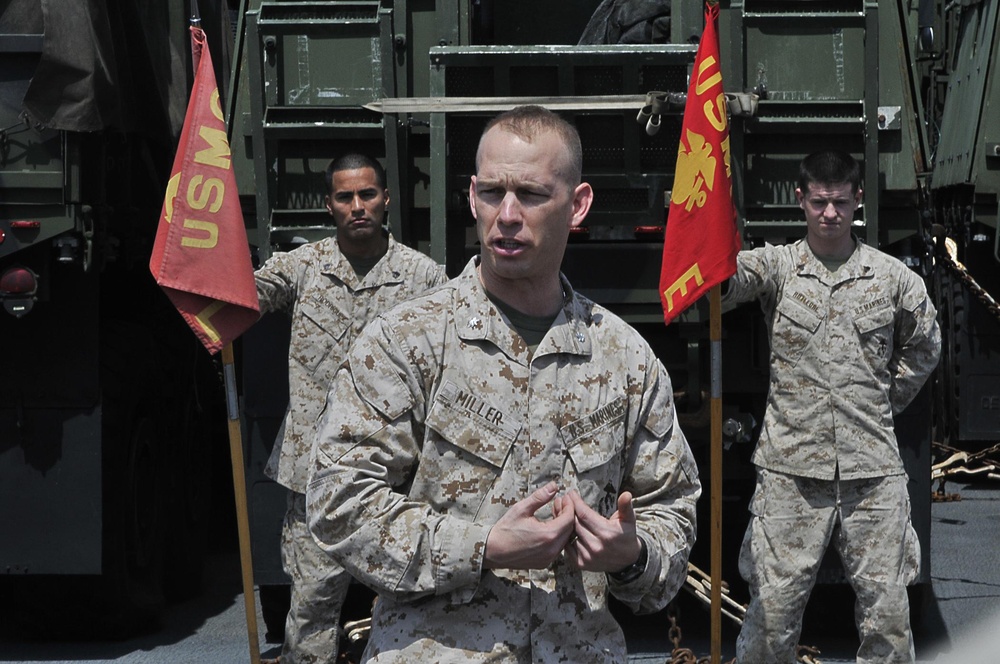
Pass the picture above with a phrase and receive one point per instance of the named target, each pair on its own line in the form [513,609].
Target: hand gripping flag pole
[201,259]
[699,251]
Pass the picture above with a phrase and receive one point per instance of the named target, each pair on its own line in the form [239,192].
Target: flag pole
[700,245]
[211,282]
[715,339]
[236,456]
[240,490]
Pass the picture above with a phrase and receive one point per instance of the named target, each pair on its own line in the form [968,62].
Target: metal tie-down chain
[699,584]
[949,260]
[960,462]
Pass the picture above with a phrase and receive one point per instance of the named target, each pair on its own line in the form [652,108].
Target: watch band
[635,570]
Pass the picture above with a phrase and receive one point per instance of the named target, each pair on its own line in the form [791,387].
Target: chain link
[961,462]
[697,583]
[948,260]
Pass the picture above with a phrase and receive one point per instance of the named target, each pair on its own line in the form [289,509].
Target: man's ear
[583,197]
[858,197]
[472,196]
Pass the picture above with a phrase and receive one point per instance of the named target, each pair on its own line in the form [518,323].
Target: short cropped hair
[829,167]
[529,121]
[353,161]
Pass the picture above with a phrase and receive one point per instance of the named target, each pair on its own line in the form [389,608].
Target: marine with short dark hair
[330,288]
[853,338]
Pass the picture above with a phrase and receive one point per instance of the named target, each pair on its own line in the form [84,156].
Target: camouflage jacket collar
[858,266]
[338,266]
[478,318]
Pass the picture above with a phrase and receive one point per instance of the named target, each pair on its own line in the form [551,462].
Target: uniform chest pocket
[795,327]
[595,446]
[317,331]
[459,465]
[875,336]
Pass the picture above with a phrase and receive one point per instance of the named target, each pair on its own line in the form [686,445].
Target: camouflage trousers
[792,521]
[319,586]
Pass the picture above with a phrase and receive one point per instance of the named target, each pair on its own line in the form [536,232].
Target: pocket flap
[799,314]
[596,438]
[873,320]
[472,422]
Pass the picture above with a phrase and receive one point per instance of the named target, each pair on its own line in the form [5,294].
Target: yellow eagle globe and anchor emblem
[695,176]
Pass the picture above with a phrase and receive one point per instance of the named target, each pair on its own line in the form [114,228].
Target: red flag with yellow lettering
[701,240]
[200,256]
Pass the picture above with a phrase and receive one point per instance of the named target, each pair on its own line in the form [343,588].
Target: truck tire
[127,597]
[189,499]
[131,593]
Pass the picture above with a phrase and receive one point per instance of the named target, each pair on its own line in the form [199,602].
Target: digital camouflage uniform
[448,422]
[329,305]
[849,350]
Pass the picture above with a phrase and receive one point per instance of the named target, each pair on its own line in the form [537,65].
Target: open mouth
[507,247]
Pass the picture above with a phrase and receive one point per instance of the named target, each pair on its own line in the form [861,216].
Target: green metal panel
[429,24]
[833,44]
[902,136]
[970,140]
[313,68]
[830,103]
[322,53]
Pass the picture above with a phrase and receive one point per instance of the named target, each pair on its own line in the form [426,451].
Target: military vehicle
[107,403]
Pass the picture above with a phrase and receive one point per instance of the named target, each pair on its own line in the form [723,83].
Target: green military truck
[106,399]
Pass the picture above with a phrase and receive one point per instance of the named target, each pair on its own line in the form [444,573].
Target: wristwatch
[635,570]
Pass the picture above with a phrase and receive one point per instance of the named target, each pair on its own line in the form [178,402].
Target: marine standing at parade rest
[505,453]
[331,289]
[853,338]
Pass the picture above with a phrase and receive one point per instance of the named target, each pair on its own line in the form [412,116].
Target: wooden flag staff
[240,491]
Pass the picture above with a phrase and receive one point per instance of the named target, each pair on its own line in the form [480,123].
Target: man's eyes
[348,197]
[500,192]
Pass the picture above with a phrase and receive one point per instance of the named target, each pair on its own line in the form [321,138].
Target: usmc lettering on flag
[203,194]
[200,257]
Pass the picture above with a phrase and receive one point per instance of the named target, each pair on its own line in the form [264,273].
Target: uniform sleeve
[665,487]
[277,282]
[753,279]
[368,445]
[917,344]
[435,276]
